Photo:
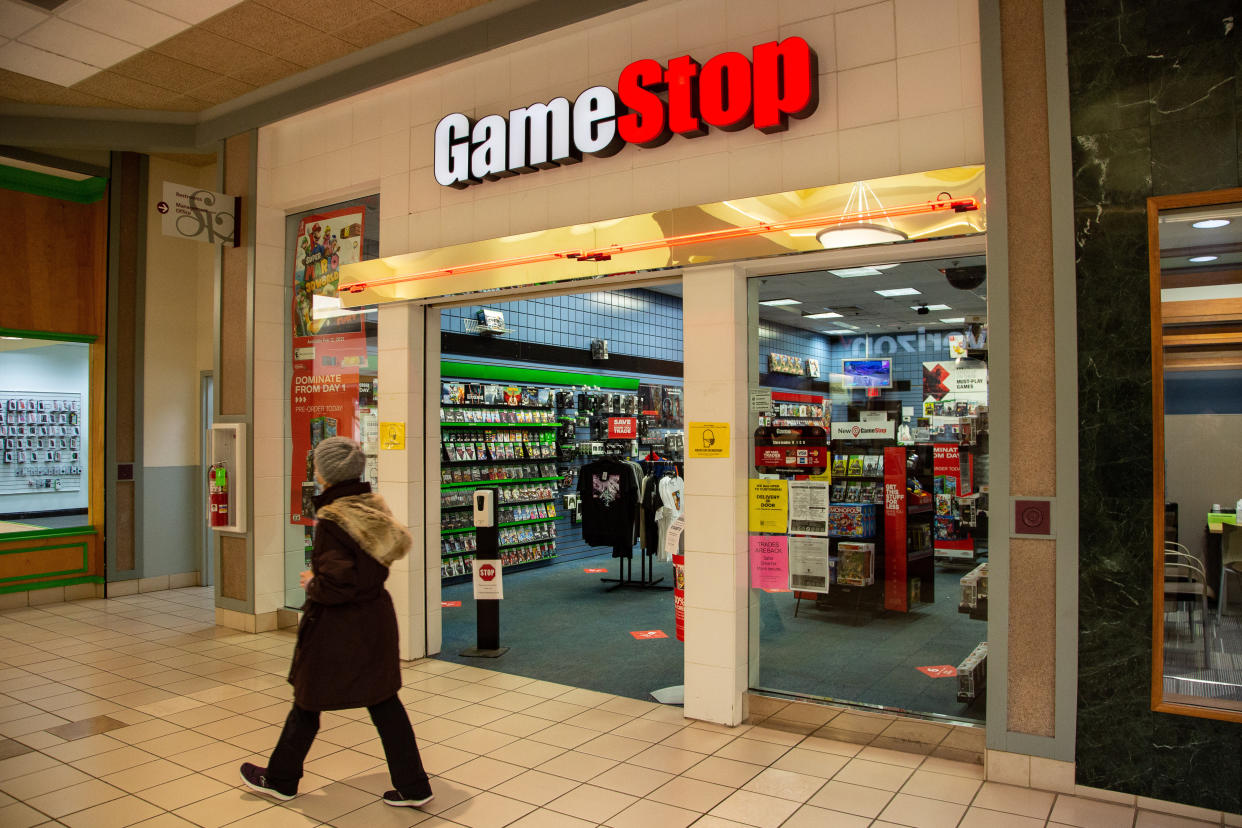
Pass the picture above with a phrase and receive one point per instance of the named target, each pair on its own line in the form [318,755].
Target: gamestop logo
[650,104]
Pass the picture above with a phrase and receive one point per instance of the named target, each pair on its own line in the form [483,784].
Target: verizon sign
[651,103]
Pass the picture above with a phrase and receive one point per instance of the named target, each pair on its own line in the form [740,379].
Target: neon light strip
[956,205]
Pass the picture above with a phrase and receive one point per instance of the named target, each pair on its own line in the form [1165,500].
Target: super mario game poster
[325,241]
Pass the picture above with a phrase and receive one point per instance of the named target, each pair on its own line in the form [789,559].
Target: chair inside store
[1185,583]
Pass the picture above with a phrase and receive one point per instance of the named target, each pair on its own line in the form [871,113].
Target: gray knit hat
[339,460]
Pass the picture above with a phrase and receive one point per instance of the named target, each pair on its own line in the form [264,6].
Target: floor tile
[811,762]
[25,764]
[983,818]
[117,813]
[874,774]
[1090,813]
[611,746]
[275,818]
[1153,819]
[690,793]
[858,800]
[542,818]
[647,814]
[487,810]
[923,813]
[755,809]
[526,753]
[379,815]
[535,787]
[20,815]
[577,766]
[330,801]
[647,730]
[701,741]
[667,759]
[50,778]
[483,772]
[810,816]
[891,757]
[631,779]
[148,775]
[183,791]
[74,798]
[942,786]
[1014,800]
[723,771]
[479,740]
[970,770]
[753,751]
[591,803]
[785,784]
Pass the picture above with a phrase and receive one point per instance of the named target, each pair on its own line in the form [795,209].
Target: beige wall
[178,327]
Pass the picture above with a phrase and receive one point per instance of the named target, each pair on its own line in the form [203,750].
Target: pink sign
[769,562]
[939,671]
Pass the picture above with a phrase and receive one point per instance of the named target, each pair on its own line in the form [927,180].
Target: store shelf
[482,484]
[498,525]
[498,462]
[499,425]
[494,407]
[461,579]
[500,505]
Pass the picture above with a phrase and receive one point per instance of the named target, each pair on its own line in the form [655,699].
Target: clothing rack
[646,577]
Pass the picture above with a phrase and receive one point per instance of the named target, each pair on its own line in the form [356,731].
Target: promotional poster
[325,242]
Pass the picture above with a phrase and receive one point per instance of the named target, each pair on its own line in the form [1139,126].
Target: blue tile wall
[640,323]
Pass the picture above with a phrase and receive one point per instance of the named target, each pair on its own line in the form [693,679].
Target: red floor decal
[595,570]
[450,603]
[939,671]
[649,634]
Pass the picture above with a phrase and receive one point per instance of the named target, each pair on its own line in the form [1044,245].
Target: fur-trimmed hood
[368,521]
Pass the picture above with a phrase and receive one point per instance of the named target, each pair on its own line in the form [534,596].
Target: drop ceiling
[186,55]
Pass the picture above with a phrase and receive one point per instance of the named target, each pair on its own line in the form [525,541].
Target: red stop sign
[487,572]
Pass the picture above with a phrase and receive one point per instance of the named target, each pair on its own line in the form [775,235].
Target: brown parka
[346,653]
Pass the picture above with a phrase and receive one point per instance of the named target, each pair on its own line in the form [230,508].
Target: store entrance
[571,407]
[869,556]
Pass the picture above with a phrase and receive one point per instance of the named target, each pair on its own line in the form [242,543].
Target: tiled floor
[138,710]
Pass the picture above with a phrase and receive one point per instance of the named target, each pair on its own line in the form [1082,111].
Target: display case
[226,485]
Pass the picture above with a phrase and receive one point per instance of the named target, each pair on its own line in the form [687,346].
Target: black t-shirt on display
[609,496]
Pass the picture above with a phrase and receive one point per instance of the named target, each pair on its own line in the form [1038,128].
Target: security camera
[923,311]
[965,278]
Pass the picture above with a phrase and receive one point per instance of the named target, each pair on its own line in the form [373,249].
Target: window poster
[809,564]
[325,242]
[769,562]
[808,507]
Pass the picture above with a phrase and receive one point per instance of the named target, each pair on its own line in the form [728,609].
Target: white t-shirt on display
[672,504]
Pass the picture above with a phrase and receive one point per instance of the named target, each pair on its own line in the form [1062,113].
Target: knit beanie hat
[339,460]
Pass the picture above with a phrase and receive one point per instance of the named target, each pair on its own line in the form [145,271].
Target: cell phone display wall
[42,444]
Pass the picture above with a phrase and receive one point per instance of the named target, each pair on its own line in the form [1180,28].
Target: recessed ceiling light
[954,320]
[840,331]
[931,307]
[823,315]
[772,303]
[899,292]
[851,272]
[1209,224]
[1201,259]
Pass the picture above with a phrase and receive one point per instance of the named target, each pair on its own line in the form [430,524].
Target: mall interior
[805,413]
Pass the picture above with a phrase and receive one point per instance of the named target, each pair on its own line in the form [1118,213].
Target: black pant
[405,767]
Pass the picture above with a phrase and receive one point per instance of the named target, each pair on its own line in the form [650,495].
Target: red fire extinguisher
[218,497]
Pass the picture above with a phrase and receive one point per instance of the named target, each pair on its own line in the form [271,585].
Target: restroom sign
[651,103]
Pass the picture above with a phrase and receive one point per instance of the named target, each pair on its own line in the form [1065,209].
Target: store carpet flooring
[561,626]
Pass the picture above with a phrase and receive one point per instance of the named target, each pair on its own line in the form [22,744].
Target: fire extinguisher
[218,497]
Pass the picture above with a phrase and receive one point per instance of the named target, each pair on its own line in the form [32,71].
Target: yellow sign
[392,436]
[708,440]
[769,506]
[826,476]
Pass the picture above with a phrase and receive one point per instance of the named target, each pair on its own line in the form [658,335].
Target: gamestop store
[710,294]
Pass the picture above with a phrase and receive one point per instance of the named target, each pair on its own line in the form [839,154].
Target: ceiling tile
[27,60]
[312,51]
[221,89]
[262,28]
[164,72]
[73,41]
[128,91]
[25,89]
[125,20]
[325,13]
[263,71]
[16,19]
[199,47]
[375,29]
[190,11]
[429,11]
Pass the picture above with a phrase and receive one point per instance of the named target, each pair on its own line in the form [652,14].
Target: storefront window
[333,360]
[44,434]
[1196,305]
[868,501]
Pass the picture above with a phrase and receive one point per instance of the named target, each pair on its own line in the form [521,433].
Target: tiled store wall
[639,323]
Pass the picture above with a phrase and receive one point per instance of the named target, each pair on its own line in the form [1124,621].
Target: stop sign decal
[487,572]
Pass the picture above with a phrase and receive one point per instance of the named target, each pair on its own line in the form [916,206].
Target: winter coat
[346,654]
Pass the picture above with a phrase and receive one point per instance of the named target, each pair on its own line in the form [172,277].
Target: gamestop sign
[651,103]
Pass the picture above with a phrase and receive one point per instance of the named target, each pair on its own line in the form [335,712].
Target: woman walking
[346,654]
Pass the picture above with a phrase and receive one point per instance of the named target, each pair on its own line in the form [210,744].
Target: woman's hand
[304,578]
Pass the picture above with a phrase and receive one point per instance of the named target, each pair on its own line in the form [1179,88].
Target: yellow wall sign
[707,440]
[769,506]
[392,436]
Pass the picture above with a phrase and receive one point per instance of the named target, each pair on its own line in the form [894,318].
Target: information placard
[708,440]
[769,506]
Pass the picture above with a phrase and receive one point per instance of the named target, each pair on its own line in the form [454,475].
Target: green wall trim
[51,335]
[68,531]
[506,373]
[61,582]
[86,191]
[27,577]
